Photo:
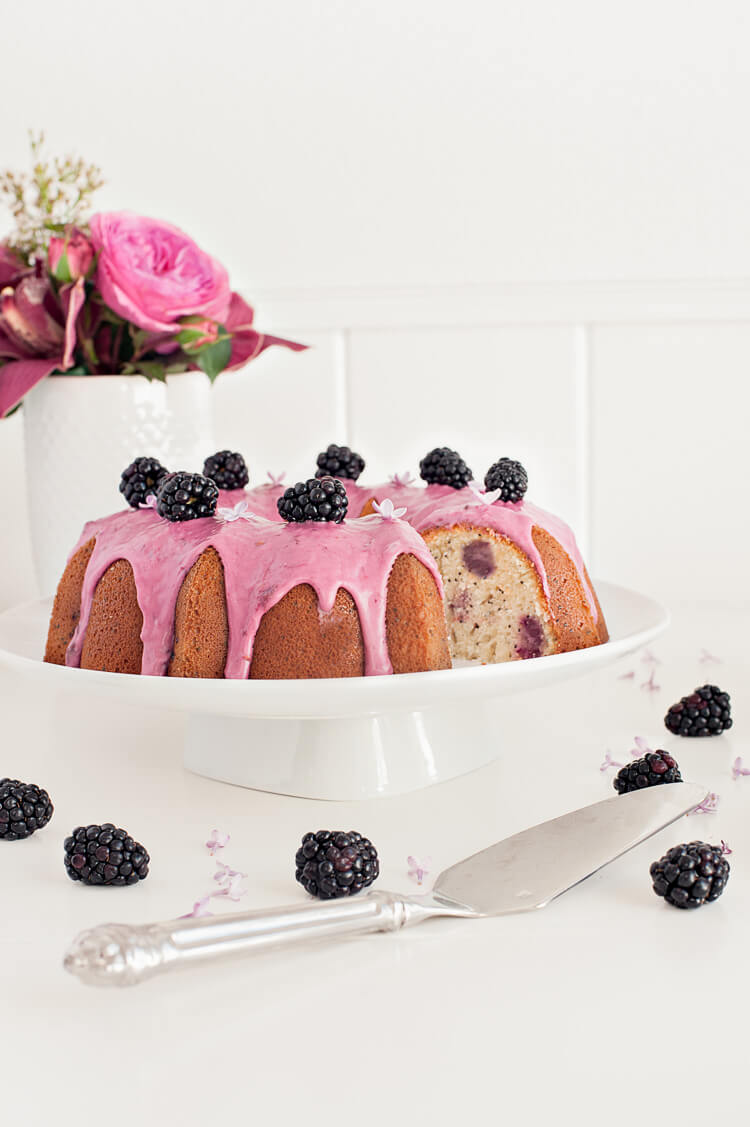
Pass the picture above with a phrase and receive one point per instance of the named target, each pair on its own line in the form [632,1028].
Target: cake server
[520,873]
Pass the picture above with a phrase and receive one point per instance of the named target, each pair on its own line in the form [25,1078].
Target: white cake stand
[339,739]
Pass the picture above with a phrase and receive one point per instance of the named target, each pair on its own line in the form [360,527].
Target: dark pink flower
[71,257]
[11,266]
[152,274]
[247,343]
[37,334]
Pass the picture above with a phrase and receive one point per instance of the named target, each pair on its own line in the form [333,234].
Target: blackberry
[227,470]
[340,461]
[141,478]
[321,498]
[690,875]
[105,855]
[24,808]
[654,768]
[185,496]
[706,712]
[330,863]
[443,466]
[509,477]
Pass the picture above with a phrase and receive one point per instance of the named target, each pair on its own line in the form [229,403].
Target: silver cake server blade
[520,873]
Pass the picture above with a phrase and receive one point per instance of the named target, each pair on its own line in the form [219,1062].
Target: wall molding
[479,306]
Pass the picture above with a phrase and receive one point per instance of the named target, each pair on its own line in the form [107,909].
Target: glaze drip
[262,561]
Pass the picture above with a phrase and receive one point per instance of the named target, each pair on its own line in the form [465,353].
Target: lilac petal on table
[217,840]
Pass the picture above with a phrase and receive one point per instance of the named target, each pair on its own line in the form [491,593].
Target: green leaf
[79,370]
[151,369]
[62,270]
[215,357]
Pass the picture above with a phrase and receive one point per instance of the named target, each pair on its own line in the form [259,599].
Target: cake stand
[342,739]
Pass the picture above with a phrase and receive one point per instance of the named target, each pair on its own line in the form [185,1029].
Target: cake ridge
[262,561]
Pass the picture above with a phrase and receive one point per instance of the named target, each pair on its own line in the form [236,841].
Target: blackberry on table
[706,712]
[227,470]
[24,808]
[339,461]
[330,863]
[186,496]
[509,477]
[443,466]
[653,769]
[690,875]
[317,499]
[105,854]
[140,478]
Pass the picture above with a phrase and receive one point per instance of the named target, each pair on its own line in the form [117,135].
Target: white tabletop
[608,1007]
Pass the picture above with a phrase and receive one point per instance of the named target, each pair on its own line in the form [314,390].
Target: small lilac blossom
[149,503]
[276,479]
[725,850]
[402,478]
[707,657]
[641,748]
[225,873]
[650,686]
[738,770]
[708,806]
[487,498]
[233,888]
[216,841]
[608,762]
[386,510]
[418,870]
[228,515]
[200,908]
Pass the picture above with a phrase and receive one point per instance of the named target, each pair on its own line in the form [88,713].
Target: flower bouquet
[108,294]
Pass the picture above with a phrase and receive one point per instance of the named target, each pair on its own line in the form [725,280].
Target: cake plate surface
[343,738]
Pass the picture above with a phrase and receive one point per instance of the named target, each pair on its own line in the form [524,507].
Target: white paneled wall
[629,405]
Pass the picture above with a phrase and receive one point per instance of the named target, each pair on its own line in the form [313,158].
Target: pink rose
[152,274]
[79,256]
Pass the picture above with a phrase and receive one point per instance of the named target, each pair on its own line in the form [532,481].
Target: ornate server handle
[124,955]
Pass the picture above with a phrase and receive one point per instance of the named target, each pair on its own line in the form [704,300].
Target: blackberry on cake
[691,874]
[443,466]
[141,478]
[317,499]
[186,496]
[339,461]
[330,864]
[227,470]
[24,809]
[651,770]
[104,854]
[705,712]
[509,477]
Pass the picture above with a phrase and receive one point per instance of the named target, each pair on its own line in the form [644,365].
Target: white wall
[512,228]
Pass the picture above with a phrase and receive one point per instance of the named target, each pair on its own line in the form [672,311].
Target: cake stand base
[342,759]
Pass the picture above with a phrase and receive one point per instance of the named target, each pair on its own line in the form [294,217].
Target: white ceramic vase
[80,433]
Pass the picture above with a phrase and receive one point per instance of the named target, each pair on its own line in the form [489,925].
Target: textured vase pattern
[81,431]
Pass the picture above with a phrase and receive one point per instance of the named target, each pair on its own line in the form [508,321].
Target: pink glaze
[262,560]
[437,506]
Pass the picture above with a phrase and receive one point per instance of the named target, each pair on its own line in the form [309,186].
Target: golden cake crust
[67,606]
[113,635]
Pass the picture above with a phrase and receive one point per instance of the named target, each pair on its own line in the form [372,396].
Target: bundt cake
[515,583]
[167,588]
[275,584]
